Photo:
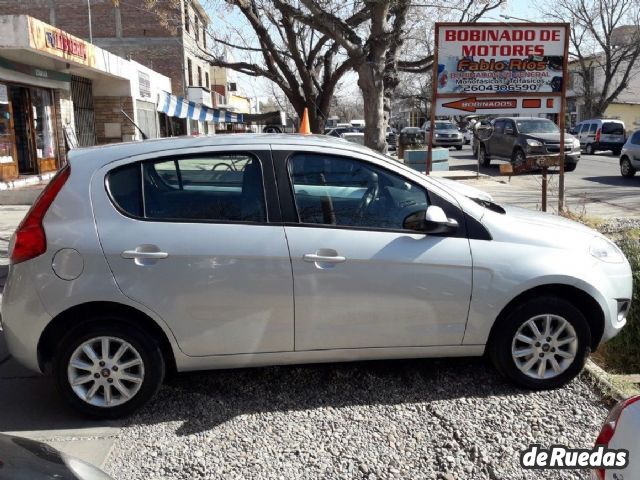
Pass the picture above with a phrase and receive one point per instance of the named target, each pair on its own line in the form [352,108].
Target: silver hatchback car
[246,250]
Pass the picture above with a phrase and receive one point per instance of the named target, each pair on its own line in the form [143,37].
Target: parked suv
[630,156]
[598,134]
[516,138]
[446,134]
[233,251]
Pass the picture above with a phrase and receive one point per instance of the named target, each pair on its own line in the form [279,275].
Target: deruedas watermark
[561,457]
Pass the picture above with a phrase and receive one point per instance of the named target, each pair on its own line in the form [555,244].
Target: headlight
[533,143]
[436,135]
[605,250]
[576,144]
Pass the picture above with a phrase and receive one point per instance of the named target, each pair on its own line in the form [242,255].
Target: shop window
[7,138]
[42,104]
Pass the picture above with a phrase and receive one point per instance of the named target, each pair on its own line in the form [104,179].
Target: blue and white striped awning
[179,107]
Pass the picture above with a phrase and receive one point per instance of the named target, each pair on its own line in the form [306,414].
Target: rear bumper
[24,317]
[607,145]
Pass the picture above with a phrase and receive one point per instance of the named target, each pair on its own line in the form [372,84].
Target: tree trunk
[371,82]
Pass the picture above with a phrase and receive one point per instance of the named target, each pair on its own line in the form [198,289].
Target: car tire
[569,349]
[589,149]
[570,167]
[458,147]
[141,380]
[483,158]
[518,157]
[616,152]
[626,169]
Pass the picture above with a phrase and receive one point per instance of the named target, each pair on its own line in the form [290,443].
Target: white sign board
[497,68]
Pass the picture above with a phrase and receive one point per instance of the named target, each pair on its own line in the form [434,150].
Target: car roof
[520,118]
[614,120]
[103,154]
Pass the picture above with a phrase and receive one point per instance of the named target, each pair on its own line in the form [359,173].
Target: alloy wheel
[544,346]
[105,371]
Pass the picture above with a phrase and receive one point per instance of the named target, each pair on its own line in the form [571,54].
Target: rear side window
[612,128]
[593,128]
[225,187]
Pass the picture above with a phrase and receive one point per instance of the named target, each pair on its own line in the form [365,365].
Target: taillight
[609,427]
[30,240]
[598,135]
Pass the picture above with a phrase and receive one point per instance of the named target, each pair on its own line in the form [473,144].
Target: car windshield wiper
[494,207]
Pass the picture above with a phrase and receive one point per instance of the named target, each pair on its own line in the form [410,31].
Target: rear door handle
[136,254]
[314,258]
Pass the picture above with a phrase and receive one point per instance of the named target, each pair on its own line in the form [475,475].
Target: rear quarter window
[125,187]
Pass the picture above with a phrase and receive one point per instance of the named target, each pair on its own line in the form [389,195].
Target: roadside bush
[622,353]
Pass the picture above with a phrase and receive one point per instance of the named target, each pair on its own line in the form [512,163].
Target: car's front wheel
[543,343]
[626,169]
[108,369]
[589,150]
[458,147]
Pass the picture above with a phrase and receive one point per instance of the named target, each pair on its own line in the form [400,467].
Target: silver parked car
[244,250]
[446,134]
[630,156]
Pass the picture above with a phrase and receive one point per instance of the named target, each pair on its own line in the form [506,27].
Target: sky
[260,88]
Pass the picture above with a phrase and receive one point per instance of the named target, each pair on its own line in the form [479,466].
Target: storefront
[59,92]
[29,140]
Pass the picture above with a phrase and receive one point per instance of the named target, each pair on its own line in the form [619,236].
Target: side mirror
[508,131]
[433,221]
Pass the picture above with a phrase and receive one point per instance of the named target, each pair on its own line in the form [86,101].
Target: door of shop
[85,119]
[20,98]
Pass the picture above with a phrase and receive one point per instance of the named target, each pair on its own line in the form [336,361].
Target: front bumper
[448,142]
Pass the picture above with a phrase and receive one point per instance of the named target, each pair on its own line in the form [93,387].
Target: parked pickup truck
[517,138]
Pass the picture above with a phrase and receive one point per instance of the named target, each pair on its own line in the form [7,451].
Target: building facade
[167,36]
[58,91]
[625,107]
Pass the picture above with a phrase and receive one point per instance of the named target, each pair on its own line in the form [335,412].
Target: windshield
[536,126]
[445,126]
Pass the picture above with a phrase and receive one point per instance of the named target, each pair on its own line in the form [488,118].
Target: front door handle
[135,254]
[315,258]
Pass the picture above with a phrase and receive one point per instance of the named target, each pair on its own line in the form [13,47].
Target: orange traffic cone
[304,124]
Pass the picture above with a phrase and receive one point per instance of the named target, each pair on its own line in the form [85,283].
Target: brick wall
[107,110]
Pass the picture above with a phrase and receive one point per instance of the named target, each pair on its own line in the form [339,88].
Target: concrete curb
[610,386]
[26,181]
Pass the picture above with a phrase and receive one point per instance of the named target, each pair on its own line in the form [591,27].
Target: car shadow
[616,181]
[202,401]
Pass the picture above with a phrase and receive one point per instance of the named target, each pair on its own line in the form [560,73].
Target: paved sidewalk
[29,406]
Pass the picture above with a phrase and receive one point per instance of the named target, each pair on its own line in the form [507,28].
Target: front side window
[332,190]
[593,129]
[498,127]
[635,139]
[223,187]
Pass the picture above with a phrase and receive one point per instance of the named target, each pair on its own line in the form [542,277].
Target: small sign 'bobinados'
[503,64]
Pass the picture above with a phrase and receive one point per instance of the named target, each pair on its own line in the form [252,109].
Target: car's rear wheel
[108,369]
[616,151]
[626,169]
[570,167]
[483,158]
[458,147]
[543,343]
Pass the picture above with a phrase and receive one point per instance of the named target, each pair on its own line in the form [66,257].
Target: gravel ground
[418,419]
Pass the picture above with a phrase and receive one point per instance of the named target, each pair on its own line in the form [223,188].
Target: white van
[601,134]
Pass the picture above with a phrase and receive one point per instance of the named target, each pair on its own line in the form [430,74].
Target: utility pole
[90,29]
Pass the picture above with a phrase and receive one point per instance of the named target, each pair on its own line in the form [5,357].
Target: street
[595,188]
